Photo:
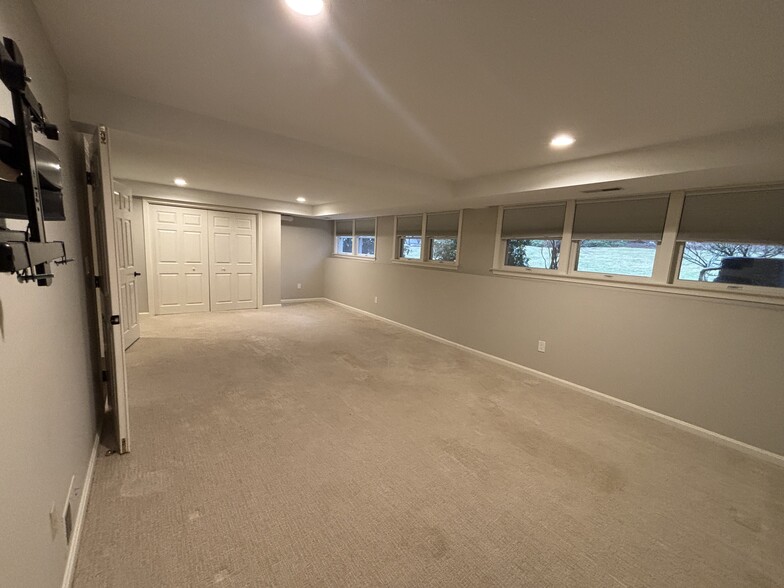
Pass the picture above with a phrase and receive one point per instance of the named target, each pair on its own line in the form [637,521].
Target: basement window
[531,236]
[732,241]
[619,237]
[356,237]
[442,236]
[365,233]
[432,238]
[408,233]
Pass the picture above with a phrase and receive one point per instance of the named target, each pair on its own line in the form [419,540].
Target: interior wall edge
[745,448]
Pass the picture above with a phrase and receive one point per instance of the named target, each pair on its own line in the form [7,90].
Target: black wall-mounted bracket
[26,253]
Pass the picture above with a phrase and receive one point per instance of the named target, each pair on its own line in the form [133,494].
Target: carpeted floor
[312,446]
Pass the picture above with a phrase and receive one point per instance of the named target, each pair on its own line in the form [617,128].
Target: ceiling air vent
[597,190]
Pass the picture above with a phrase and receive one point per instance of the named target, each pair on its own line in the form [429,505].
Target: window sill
[438,265]
[354,257]
[645,285]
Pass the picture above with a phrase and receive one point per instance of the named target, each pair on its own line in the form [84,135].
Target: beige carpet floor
[312,446]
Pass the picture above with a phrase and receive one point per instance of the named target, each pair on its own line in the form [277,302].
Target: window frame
[354,240]
[575,247]
[427,243]
[667,260]
[724,290]
[721,286]
[575,259]
[499,263]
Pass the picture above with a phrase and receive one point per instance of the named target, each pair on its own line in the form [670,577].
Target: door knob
[136,274]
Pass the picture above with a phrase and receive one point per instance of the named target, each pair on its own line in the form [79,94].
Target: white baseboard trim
[271,305]
[301,300]
[73,551]
[751,450]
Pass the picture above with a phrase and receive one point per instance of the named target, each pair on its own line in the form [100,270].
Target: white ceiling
[404,102]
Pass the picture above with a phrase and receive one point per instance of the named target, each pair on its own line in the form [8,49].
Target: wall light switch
[299,286]
[541,347]
[375,300]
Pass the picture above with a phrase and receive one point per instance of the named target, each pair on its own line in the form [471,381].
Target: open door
[109,230]
[122,203]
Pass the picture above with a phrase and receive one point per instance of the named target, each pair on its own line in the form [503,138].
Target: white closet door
[179,239]
[232,261]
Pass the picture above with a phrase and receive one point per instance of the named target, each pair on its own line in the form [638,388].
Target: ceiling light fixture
[306,7]
[561,141]
[301,199]
[180,182]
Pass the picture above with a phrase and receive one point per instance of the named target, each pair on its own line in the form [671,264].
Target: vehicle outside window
[733,263]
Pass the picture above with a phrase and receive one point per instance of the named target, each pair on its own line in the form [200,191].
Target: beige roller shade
[638,219]
[534,222]
[409,225]
[365,226]
[740,217]
[344,228]
[443,224]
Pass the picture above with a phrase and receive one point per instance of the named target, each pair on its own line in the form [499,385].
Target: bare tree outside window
[710,254]
[538,253]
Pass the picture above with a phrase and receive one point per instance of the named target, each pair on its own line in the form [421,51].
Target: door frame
[148,202]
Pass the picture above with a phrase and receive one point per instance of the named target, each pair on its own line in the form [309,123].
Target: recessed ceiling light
[180,182]
[561,141]
[306,7]
[301,199]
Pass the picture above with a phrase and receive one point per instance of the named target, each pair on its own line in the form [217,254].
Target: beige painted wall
[47,420]
[713,363]
[305,245]
[270,264]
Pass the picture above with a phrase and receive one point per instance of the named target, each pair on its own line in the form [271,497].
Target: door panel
[180,259]
[192,242]
[110,253]
[122,202]
[245,252]
[245,287]
[232,252]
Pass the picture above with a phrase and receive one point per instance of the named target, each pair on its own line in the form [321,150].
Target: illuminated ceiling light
[180,182]
[306,7]
[561,141]
[301,199]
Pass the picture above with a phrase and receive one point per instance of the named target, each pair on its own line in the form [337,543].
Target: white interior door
[232,261]
[109,239]
[129,305]
[180,262]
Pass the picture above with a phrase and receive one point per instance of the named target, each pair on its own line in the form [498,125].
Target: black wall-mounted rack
[27,253]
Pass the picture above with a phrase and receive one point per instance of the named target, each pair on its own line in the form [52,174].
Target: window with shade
[531,236]
[733,239]
[356,237]
[365,233]
[618,237]
[442,236]
[408,231]
[432,237]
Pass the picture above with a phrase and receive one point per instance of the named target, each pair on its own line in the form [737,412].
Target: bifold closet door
[232,261]
[180,260]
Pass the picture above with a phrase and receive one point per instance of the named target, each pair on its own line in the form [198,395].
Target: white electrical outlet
[299,286]
[375,300]
[541,346]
